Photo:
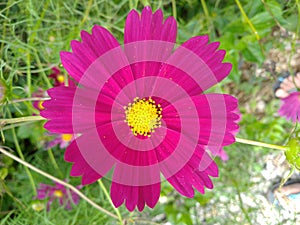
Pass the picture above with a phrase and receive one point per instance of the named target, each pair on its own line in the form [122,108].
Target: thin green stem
[272,15]
[39,64]
[86,13]
[204,6]
[260,144]
[74,189]
[241,202]
[22,157]
[13,125]
[31,41]
[28,74]
[4,27]
[53,161]
[20,119]
[145,2]
[109,199]
[206,12]
[25,100]
[174,9]
[293,50]
[247,19]
[285,179]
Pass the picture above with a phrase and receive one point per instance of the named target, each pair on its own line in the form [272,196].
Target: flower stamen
[143,116]
[40,105]
[58,193]
[66,137]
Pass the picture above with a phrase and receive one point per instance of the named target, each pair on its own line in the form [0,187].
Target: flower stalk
[260,144]
[109,199]
[88,200]
[20,119]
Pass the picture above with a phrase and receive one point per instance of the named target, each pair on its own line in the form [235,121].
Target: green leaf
[186,218]
[253,53]
[276,10]
[24,131]
[3,173]
[293,152]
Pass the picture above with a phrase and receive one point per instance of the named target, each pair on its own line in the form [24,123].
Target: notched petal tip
[214,46]
[75,45]
[147,9]
[85,36]
[158,13]
[133,12]
[101,31]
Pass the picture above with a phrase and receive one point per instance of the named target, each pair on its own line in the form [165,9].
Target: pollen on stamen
[143,116]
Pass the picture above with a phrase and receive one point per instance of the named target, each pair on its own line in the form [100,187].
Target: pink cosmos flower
[290,107]
[141,110]
[59,78]
[65,197]
[40,93]
[63,140]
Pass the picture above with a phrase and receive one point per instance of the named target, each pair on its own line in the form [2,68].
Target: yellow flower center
[61,78]
[58,193]
[143,116]
[66,137]
[40,105]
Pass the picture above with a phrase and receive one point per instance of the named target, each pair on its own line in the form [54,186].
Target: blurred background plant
[262,41]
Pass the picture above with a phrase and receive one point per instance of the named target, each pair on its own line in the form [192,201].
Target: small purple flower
[65,197]
[40,93]
[290,108]
[63,140]
[59,78]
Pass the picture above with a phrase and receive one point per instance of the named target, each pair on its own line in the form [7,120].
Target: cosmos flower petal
[149,27]
[217,114]
[135,195]
[217,118]
[85,53]
[220,152]
[80,165]
[150,194]
[62,110]
[59,109]
[290,107]
[72,64]
[203,61]
[193,174]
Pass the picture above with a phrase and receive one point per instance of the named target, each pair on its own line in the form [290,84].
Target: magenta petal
[80,166]
[290,107]
[211,70]
[85,53]
[179,182]
[195,174]
[218,119]
[149,27]
[169,30]
[73,65]
[135,195]
[61,110]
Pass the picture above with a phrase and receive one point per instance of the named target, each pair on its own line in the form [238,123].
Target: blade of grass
[74,189]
